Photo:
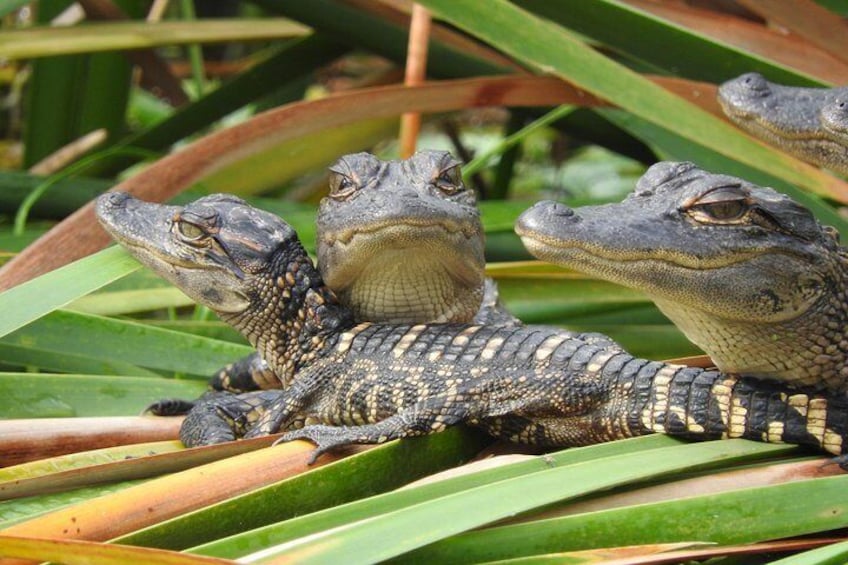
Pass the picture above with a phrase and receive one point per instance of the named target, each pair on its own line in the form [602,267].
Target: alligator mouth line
[750,117]
[449,228]
[550,247]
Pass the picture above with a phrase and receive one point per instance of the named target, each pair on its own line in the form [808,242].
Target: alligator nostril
[558,209]
[116,198]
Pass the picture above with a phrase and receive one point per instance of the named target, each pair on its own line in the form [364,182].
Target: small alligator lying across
[398,241]
[369,383]
[810,123]
[746,273]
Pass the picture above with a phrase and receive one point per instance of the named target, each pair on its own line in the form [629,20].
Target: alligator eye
[189,231]
[341,186]
[725,205]
[449,181]
[724,211]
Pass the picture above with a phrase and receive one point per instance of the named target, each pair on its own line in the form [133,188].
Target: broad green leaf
[425,523]
[274,166]
[62,199]
[109,339]
[92,37]
[281,73]
[316,522]
[735,517]
[385,36]
[32,300]
[19,356]
[29,395]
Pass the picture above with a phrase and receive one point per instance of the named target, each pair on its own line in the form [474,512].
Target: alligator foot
[223,416]
[169,407]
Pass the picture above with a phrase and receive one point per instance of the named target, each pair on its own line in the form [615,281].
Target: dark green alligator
[809,123]
[746,273]
[369,383]
[398,241]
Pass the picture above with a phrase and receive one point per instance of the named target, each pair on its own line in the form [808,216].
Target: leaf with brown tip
[30,439]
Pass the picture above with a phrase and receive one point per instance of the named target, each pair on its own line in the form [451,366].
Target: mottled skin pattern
[369,383]
[398,241]
[746,273]
[806,122]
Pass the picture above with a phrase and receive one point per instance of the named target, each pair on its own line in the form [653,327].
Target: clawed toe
[321,436]
[169,407]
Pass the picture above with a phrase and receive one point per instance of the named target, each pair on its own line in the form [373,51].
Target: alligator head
[788,117]
[401,241]
[245,264]
[747,273]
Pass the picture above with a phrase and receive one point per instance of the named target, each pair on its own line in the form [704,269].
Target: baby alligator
[810,123]
[398,241]
[369,383]
[746,273]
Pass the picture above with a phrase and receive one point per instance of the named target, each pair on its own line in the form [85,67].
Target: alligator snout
[108,202]
[543,215]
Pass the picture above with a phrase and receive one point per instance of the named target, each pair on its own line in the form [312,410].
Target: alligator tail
[702,404]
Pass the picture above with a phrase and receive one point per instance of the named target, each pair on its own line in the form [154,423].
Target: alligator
[806,122]
[365,382]
[397,241]
[746,273]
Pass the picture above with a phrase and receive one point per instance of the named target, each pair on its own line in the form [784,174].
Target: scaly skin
[369,383]
[401,241]
[398,241]
[746,273]
[794,119]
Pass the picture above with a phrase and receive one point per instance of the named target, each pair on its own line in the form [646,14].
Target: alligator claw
[169,407]
[325,439]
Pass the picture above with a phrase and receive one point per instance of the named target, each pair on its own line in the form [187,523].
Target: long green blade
[30,301]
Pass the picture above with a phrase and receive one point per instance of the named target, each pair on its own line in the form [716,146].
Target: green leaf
[734,517]
[24,395]
[57,288]
[93,37]
[425,523]
[107,339]
[316,522]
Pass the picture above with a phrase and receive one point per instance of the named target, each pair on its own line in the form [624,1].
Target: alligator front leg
[426,417]
[223,416]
